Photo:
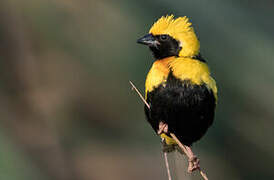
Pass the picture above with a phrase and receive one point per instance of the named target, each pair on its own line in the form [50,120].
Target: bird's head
[172,37]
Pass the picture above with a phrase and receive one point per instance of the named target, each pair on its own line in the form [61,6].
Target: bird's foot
[163,128]
[193,161]
[193,164]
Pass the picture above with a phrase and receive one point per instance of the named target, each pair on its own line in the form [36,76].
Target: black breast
[188,109]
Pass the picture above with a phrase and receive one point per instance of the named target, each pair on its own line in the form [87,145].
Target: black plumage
[187,108]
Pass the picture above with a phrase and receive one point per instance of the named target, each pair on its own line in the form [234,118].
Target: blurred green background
[67,111]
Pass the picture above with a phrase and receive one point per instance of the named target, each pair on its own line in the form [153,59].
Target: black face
[162,46]
[167,47]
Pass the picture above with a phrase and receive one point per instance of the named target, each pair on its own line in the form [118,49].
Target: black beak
[149,40]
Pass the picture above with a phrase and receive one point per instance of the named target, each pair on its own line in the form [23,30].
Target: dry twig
[140,95]
[182,146]
[167,166]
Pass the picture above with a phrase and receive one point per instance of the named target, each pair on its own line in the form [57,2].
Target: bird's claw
[163,128]
[193,164]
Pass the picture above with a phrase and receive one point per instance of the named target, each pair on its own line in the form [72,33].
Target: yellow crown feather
[181,30]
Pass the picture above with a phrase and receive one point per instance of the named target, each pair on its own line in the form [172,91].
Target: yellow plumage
[183,68]
[181,30]
[168,140]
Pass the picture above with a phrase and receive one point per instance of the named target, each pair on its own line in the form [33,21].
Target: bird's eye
[163,37]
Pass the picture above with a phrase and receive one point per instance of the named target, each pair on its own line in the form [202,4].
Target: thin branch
[186,152]
[140,95]
[182,146]
[167,166]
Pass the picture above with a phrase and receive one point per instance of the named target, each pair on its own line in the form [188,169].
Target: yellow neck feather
[182,68]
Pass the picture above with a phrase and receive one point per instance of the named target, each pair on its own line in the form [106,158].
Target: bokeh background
[67,111]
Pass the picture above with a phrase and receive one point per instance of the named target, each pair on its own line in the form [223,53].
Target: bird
[179,88]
